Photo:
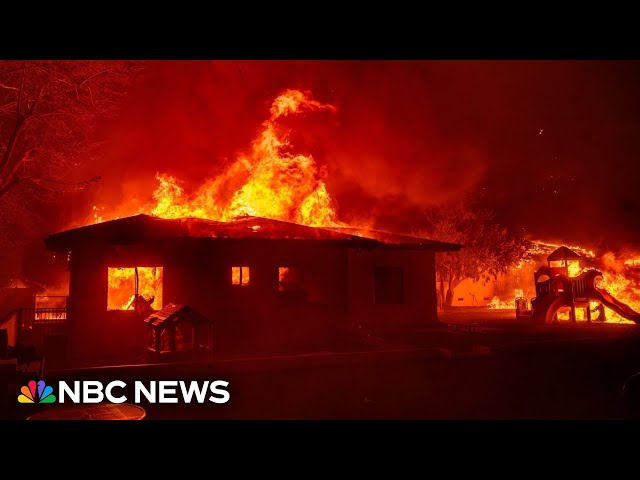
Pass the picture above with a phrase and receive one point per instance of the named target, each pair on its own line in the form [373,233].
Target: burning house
[266,285]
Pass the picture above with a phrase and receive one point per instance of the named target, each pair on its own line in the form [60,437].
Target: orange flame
[622,282]
[121,287]
[269,181]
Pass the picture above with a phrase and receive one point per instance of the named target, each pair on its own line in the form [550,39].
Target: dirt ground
[502,369]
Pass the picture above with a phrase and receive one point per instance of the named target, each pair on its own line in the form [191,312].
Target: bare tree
[48,110]
[489,249]
[48,114]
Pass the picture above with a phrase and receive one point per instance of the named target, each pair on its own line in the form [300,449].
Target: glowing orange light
[240,276]
[270,181]
[121,287]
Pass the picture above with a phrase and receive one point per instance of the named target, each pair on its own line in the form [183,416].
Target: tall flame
[269,181]
[622,281]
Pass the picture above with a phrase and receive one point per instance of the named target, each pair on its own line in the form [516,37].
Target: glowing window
[389,285]
[289,279]
[240,276]
[121,287]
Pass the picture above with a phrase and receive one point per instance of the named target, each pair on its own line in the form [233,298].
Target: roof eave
[432,248]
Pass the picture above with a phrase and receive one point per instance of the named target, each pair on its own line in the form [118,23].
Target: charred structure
[266,285]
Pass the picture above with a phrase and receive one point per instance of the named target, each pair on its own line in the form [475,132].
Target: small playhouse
[178,332]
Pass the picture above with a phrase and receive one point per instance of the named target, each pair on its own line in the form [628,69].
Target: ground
[504,369]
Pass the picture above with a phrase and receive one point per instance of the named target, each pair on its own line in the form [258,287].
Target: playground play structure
[559,289]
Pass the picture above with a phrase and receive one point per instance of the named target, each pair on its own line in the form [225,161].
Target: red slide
[625,311]
[620,308]
[545,309]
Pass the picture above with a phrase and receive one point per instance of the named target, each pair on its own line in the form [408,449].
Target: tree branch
[20,96]
[94,75]
[11,180]
[7,87]
[5,189]
[6,107]
[41,183]
[35,102]
[6,157]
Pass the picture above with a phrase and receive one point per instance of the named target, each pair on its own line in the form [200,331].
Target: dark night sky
[409,134]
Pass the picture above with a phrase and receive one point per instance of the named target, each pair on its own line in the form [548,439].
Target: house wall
[419,306]
[11,300]
[197,272]
[473,293]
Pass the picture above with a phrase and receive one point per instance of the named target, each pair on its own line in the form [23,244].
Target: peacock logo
[44,393]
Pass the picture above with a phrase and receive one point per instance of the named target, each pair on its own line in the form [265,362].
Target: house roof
[563,253]
[146,227]
[391,240]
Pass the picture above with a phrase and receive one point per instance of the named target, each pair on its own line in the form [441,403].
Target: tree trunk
[450,293]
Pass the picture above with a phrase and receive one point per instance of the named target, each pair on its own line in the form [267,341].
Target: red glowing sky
[406,135]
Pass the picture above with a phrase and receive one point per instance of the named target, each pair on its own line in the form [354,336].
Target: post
[8,375]
[158,333]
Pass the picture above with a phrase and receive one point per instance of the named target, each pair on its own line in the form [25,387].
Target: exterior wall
[12,299]
[471,293]
[197,272]
[419,305]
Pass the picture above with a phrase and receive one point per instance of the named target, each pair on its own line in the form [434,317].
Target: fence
[36,317]
[38,323]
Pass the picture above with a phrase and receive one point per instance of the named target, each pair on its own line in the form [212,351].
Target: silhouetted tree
[489,248]
[48,114]
[48,110]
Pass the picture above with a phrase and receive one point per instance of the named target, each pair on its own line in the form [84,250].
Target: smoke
[381,148]
[550,146]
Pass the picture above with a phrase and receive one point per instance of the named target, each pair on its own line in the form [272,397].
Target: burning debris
[497,304]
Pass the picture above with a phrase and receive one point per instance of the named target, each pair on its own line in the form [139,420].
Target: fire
[573,268]
[269,181]
[623,284]
[240,276]
[497,304]
[545,248]
[121,287]
[97,214]
[563,314]
[620,279]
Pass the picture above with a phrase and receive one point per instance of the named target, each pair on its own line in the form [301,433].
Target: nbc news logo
[34,392]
